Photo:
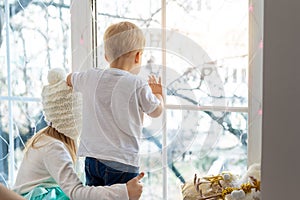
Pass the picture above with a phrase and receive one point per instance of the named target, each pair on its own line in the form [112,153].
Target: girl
[47,171]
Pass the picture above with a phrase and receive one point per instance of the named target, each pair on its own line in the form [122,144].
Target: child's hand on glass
[155,85]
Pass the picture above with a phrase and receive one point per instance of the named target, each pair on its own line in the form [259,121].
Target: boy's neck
[132,69]
[126,68]
[123,64]
[130,62]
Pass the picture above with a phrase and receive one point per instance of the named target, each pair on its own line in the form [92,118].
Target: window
[208,53]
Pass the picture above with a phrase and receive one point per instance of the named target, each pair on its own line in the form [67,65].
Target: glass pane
[39,39]
[27,119]
[151,158]
[153,186]
[147,16]
[207,47]
[4,142]
[3,70]
[205,143]
[209,41]
[197,142]
[190,85]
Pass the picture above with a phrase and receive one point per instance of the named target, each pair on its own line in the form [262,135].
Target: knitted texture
[62,107]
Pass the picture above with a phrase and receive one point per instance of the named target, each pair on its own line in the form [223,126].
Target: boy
[114,101]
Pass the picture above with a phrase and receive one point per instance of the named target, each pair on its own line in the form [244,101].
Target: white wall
[281,101]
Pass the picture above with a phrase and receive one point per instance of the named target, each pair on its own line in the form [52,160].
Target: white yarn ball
[55,75]
[226,177]
[238,194]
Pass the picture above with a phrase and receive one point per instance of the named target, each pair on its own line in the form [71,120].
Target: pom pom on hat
[62,107]
[55,75]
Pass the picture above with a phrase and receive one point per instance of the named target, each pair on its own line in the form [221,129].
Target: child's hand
[134,187]
[155,85]
[68,80]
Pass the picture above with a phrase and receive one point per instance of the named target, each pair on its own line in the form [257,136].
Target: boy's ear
[106,57]
[138,57]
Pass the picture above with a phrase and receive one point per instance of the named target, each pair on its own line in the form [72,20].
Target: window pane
[148,15]
[213,72]
[153,186]
[27,119]
[3,73]
[197,143]
[219,32]
[4,142]
[39,39]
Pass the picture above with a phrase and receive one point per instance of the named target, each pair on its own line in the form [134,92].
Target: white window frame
[255,81]
[9,98]
[82,15]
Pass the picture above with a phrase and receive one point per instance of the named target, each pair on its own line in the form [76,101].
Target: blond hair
[52,132]
[122,38]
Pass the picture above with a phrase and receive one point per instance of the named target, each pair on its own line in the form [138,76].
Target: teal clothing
[43,193]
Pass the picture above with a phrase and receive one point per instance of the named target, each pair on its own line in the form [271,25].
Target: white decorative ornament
[226,177]
[238,194]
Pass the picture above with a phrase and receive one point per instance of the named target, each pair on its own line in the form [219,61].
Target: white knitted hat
[62,107]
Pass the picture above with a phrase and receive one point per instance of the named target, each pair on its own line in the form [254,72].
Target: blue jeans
[99,174]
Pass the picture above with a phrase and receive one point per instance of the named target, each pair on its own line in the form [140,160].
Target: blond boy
[114,101]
